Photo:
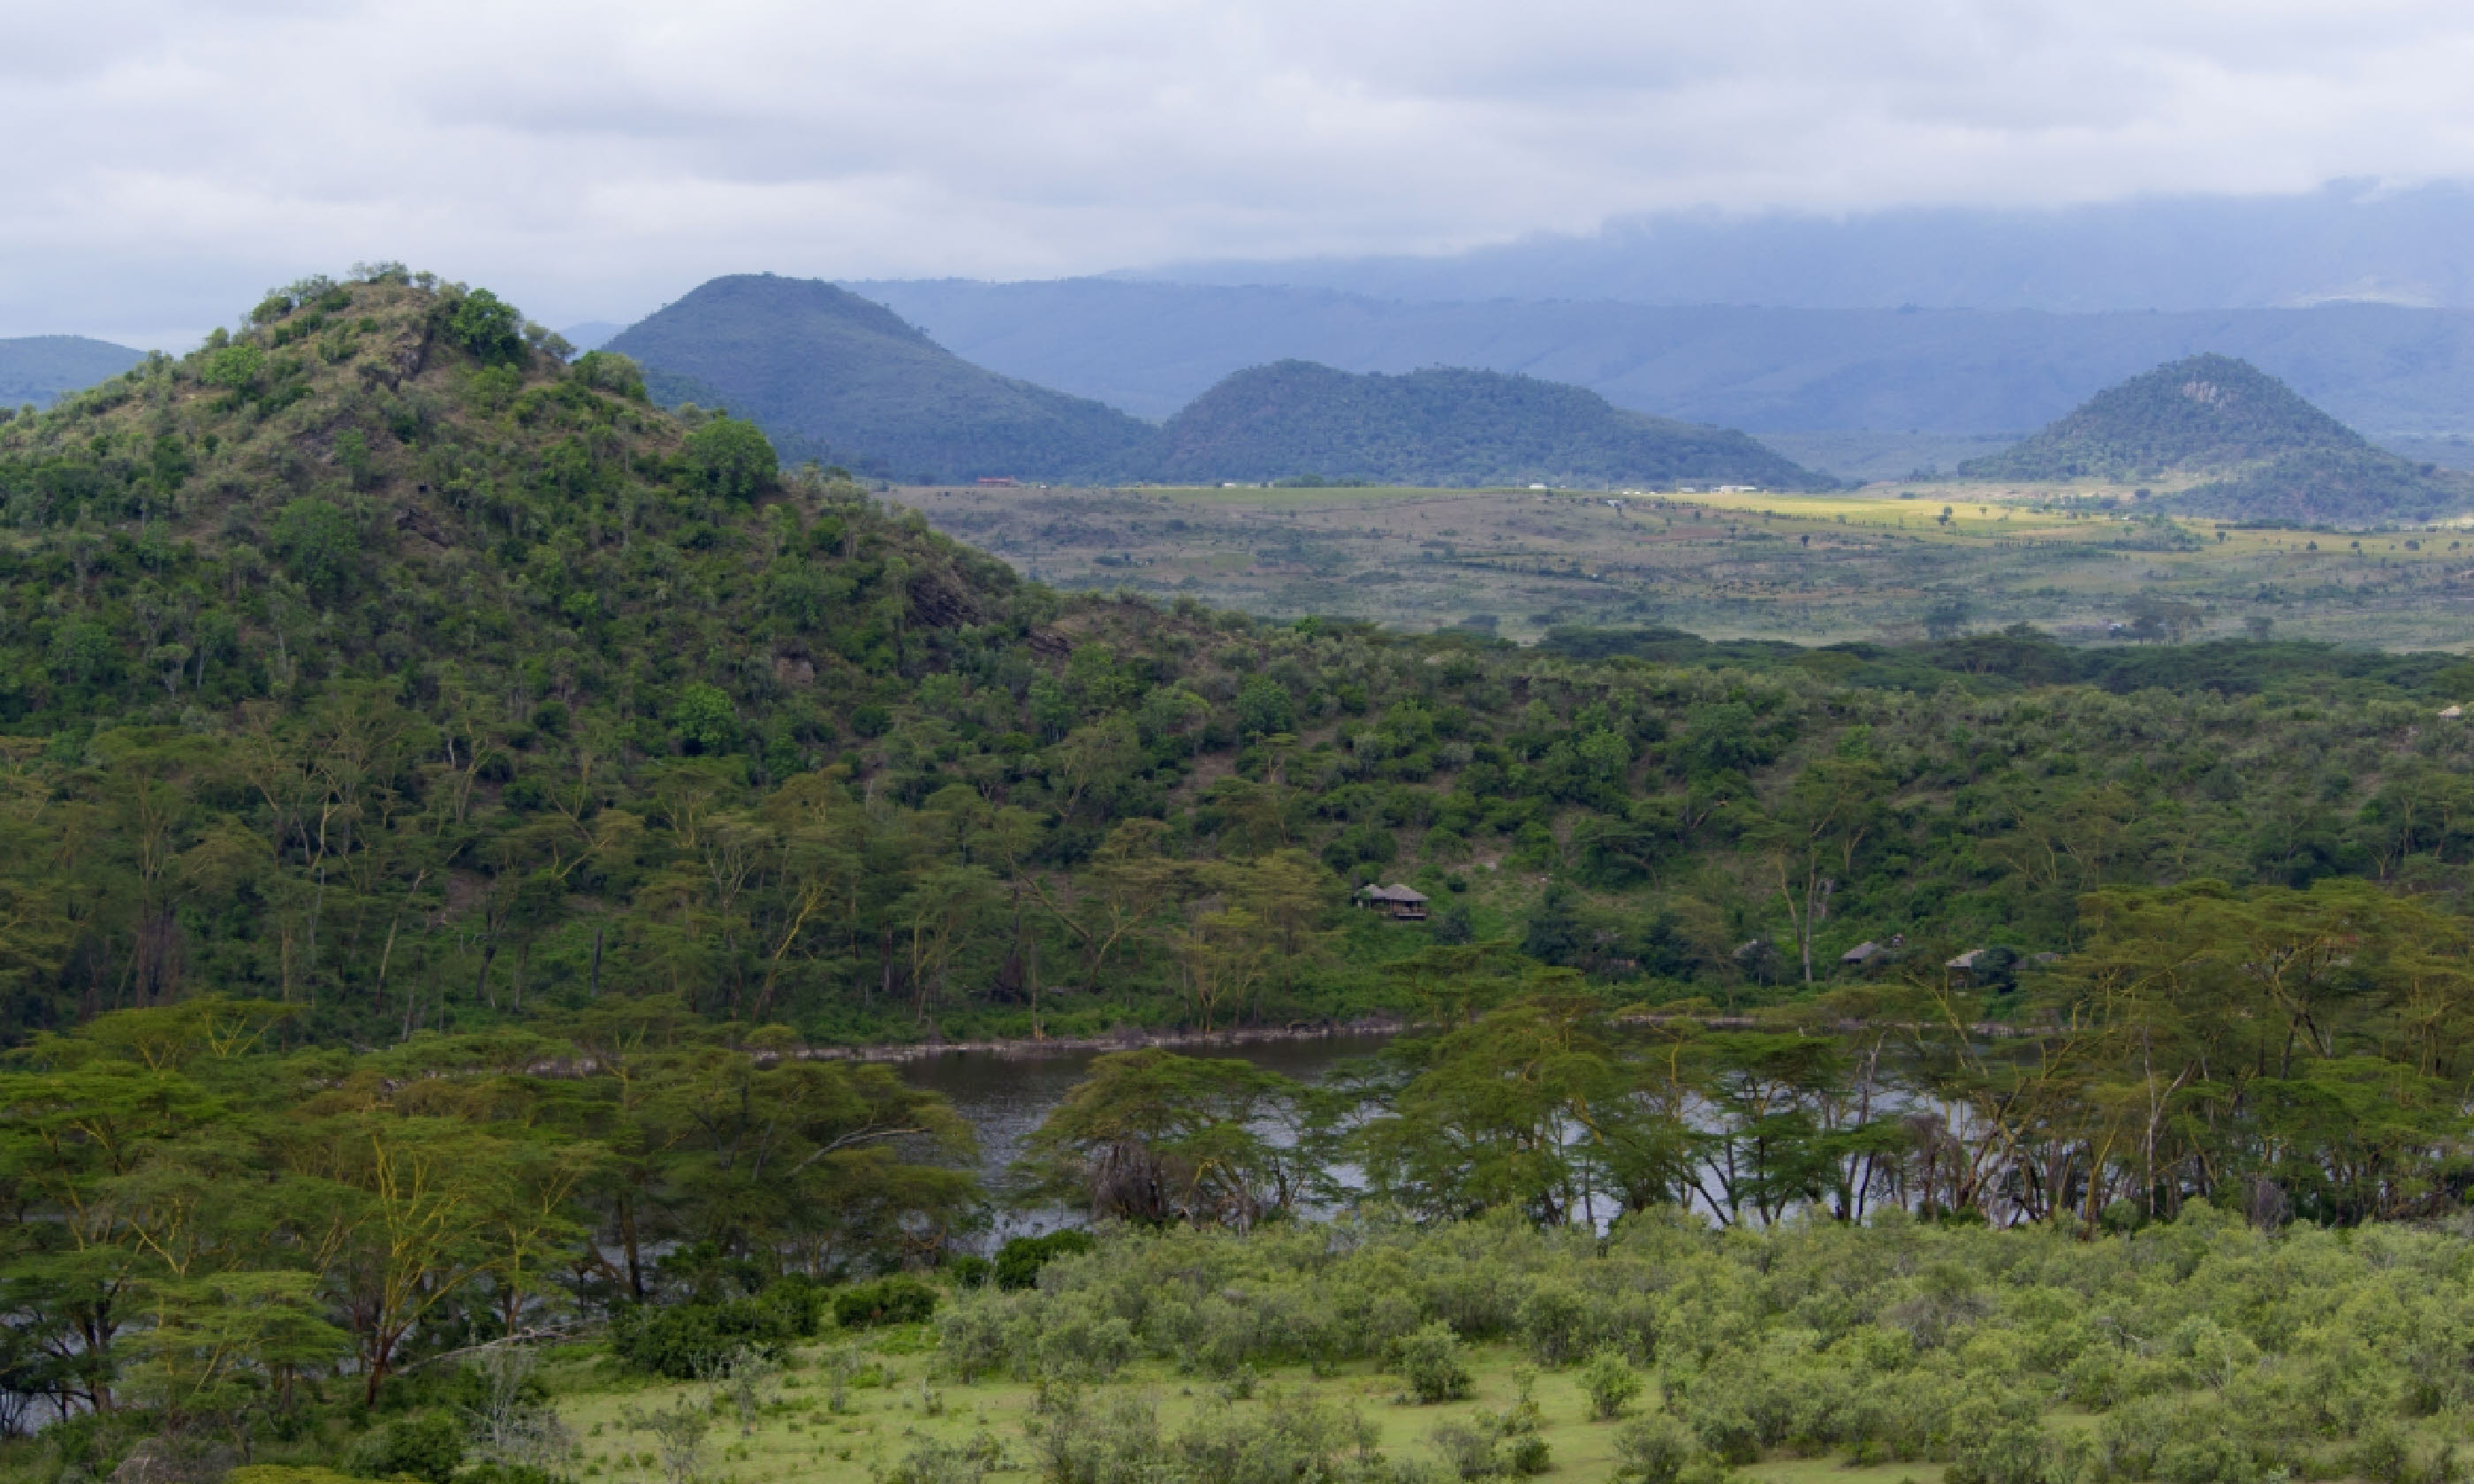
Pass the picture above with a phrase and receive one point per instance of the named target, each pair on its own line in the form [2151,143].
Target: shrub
[891,1300]
[489,327]
[1431,1362]
[1551,1321]
[1019,1260]
[235,367]
[1610,1382]
[429,1446]
[969,1270]
[687,1341]
[607,370]
[931,1462]
[1653,1451]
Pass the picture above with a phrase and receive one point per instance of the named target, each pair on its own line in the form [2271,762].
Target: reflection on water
[1004,1098]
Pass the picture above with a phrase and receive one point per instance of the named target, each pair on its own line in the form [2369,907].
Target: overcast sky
[171,158]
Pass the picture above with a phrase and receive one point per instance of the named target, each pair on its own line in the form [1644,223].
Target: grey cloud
[595,160]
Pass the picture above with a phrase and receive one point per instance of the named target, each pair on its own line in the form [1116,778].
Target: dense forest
[456,814]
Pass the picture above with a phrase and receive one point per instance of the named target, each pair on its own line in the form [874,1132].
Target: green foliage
[1610,1383]
[1153,1136]
[317,544]
[235,367]
[731,457]
[694,1341]
[1429,1362]
[1656,1450]
[487,327]
[1021,1257]
[607,370]
[888,1301]
[429,1446]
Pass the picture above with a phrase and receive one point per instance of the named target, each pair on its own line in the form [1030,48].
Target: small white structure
[2452,713]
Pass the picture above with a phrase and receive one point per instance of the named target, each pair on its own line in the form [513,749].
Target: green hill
[39,369]
[1445,427]
[834,377]
[2274,456]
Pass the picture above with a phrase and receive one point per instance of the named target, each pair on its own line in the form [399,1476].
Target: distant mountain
[1445,427]
[834,377]
[2275,457]
[1151,347]
[2205,411]
[591,334]
[2351,241]
[40,369]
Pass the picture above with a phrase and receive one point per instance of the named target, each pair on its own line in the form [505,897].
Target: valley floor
[1879,563]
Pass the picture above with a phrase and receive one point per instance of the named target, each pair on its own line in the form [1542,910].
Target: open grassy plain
[2074,560]
[900,1401]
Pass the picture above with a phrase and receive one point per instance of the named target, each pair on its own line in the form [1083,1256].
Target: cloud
[593,159]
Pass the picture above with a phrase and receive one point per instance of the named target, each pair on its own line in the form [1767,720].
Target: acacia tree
[1156,1137]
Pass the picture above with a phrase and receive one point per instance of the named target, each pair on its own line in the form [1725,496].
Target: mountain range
[836,378]
[1152,348]
[2348,242]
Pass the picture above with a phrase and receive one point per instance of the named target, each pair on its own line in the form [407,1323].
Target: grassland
[2074,560]
[900,1400]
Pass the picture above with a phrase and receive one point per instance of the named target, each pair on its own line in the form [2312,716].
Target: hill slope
[39,369]
[2204,412]
[2275,456]
[834,377]
[1451,427]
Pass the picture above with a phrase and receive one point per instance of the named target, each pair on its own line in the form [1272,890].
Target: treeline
[198,1221]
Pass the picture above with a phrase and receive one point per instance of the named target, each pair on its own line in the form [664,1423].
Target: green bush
[1610,1383]
[1653,1451]
[607,370]
[489,327]
[429,1446]
[1019,1260]
[1431,1362]
[686,1341]
[891,1300]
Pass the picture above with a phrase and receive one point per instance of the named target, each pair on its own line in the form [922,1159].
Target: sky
[173,159]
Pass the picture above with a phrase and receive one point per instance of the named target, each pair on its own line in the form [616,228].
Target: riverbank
[1124,1038]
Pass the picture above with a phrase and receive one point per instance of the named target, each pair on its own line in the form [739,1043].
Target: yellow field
[1812,568]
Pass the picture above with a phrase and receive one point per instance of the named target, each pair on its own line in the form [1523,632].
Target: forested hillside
[836,378]
[376,663]
[1444,428]
[2268,454]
